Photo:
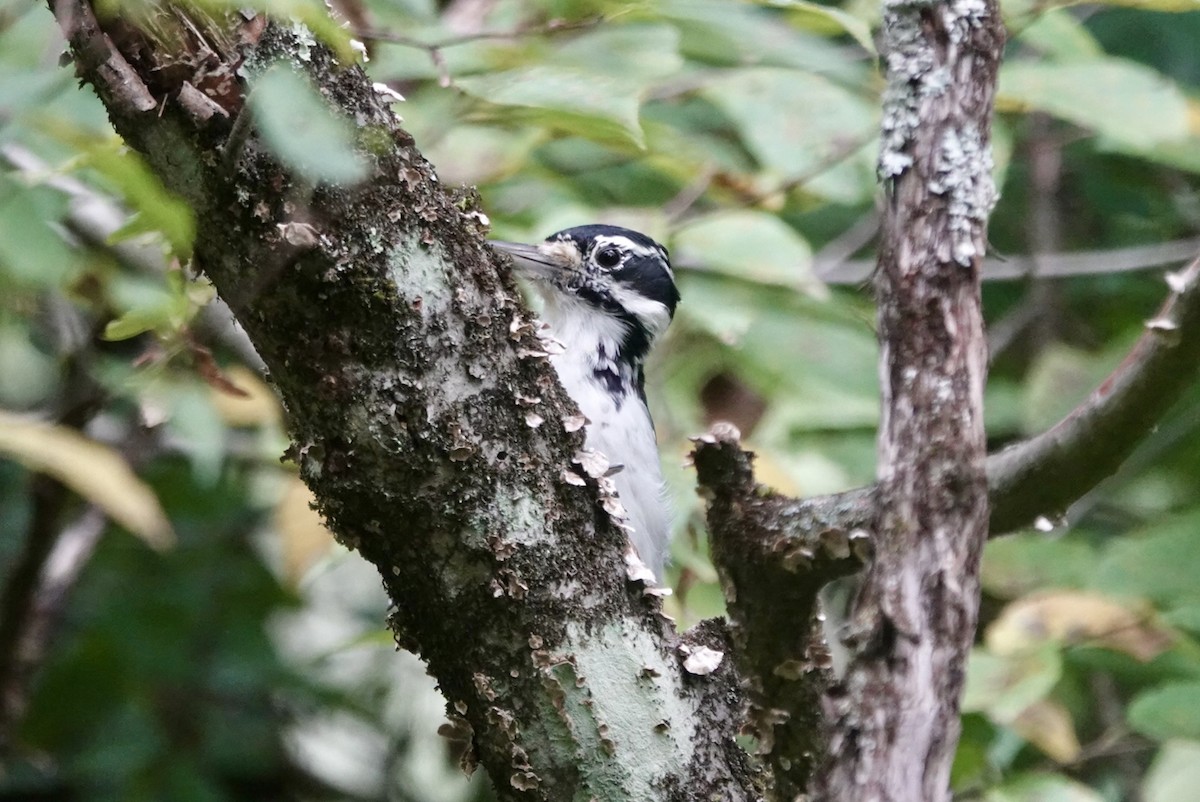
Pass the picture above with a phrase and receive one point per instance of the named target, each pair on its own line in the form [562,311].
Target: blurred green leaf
[134,739]
[22,90]
[32,251]
[741,34]
[20,357]
[1061,377]
[1186,616]
[1005,686]
[1019,564]
[1059,34]
[133,323]
[148,305]
[593,86]
[197,424]
[1125,101]
[755,246]
[1174,775]
[1169,711]
[300,128]
[1042,787]
[1159,563]
[972,762]
[156,209]
[122,170]
[844,21]
[772,110]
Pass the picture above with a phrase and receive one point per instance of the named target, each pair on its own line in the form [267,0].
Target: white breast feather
[625,435]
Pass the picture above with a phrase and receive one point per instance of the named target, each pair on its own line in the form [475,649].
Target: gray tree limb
[775,553]
[893,721]
[838,270]
[1042,476]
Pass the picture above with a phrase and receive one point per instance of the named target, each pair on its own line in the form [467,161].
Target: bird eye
[608,258]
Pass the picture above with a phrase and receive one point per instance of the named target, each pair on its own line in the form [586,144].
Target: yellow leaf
[93,470]
[302,533]
[1074,617]
[258,407]
[771,473]
[1047,725]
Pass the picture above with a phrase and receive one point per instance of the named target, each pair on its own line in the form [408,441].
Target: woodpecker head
[602,277]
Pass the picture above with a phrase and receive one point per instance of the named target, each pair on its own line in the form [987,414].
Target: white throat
[619,424]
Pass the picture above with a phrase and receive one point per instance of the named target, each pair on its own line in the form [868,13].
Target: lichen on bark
[407,362]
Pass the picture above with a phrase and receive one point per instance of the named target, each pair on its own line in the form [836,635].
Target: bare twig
[838,250]
[1057,265]
[842,151]
[1043,475]
[1017,268]
[676,208]
[122,88]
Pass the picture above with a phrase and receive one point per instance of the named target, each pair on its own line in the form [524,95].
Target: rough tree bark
[411,375]
[890,727]
[894,722]
[410,371]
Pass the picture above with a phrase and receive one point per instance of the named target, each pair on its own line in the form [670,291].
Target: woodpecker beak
[545,261]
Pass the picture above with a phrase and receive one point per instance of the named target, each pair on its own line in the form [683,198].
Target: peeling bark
[400,352]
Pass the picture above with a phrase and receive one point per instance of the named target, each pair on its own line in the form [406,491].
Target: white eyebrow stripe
[624,244]
[637,249]
[666,260]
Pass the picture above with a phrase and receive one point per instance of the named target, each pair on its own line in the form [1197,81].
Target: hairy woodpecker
[609,293]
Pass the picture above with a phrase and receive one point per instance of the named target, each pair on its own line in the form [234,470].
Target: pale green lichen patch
[963,174]
[917,75]
[624,664]
[421,276]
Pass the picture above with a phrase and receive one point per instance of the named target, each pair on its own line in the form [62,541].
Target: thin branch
[519,32]
[842,272]
[1045,474]
[1042,476]
[678,207]
[1150,451]
[836,252]
[1054,265]
[23,596]
[842,151]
